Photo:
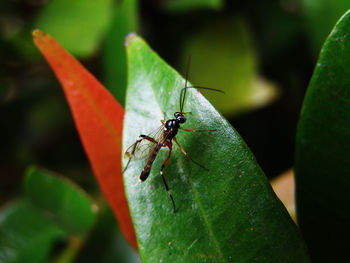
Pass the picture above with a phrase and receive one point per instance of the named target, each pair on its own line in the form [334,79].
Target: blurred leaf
[320,17]
[77,25]
[125,20]
[99,121]
[25,234]
[40,113]
[228,214]
[69,253]
[188,5]
[223,58]
[322,164]
[276,31]
[119,250]
[114,249]
[53,209]
[22,43]
[66,203]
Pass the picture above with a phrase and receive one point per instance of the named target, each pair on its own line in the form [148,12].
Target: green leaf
[229,214]
[76,25]
[188,5]
[53,208]
[320,16]
[125,20]
[229,64]
[68,205]
[322,164]
[25,234]
[106,231]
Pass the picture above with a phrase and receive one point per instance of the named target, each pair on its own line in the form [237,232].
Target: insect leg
[196,130]
[183,151]
[163,179]
[131,154]
[147,138]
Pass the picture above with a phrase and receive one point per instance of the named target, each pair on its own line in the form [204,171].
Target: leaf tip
[94,208]
[130,38]
[37,33]
[30,171]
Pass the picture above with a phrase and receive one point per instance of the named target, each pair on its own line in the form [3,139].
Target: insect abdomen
[146,170]
[144,175]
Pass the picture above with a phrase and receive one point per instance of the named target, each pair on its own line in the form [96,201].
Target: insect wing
[143,147]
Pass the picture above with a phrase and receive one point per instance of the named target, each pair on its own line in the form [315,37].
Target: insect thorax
[171,126]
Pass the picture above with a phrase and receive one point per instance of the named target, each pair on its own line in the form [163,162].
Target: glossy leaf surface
[229,214]
[99,121]
[322,165]
[67,204]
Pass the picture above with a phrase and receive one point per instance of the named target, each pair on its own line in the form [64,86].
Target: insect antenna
[198,87]
[183,91]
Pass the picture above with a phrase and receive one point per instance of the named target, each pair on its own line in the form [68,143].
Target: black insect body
[150,145]
[170,130]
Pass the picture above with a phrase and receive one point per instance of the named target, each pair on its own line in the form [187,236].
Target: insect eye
[182,119]
[177,114]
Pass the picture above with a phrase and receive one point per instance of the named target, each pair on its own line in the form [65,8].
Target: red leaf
[99,121]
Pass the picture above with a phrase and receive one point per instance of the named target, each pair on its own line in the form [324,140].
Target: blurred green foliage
[29,240]
[239,46]
[226,43]
[320,17]
[51,209]
[188,5]
[54,218]
[68,207]
[125,20]
[77,25]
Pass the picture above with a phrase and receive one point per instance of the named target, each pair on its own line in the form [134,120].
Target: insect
[150,145]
